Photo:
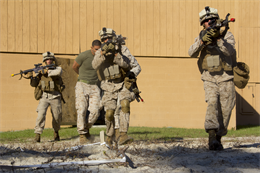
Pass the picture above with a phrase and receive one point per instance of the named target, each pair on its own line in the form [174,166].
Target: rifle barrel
[29,70]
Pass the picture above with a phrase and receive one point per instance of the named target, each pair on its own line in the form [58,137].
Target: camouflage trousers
[111,101]
[124,120]
[221,100]
[56,112]
[87,98]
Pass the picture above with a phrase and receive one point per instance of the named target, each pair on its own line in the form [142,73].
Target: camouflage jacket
[134,65]
[227,46]
[121,61]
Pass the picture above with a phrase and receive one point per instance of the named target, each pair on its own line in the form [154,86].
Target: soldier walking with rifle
[112,65]
[48,87]
[216,61]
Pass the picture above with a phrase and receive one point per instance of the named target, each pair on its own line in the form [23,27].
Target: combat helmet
[105,33]
[208,13]
[48,55]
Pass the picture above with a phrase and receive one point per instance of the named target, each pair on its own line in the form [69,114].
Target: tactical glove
[207,39]
[128,82]
[111,47]
[108,49]
[213,33]
[104,48]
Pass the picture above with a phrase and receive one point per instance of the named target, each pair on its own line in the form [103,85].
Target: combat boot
[117,135]
[218,138]
[109,142]
[125,139]
[56,136]
[37,137]
[83,139]
[88,136]
[213,143]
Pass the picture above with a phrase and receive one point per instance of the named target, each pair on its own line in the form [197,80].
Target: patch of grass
[244,131]
[28,135]
[138,133]
[151,133]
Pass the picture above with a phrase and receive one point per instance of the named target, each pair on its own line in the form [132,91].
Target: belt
[117,80]
[88,82]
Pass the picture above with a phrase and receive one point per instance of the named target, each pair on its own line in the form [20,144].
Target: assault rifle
[137,93]
[36,69]
[119,40]
[217,24]
[214,24]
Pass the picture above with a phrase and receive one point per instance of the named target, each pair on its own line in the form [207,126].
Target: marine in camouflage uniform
[50,82]
[216,61]
[111,66]
[122,121]
[87,92]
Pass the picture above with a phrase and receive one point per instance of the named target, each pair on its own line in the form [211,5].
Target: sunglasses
[207,20]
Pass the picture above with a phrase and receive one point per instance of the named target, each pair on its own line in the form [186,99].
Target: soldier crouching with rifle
[48,86]
[217,59]
[111,66]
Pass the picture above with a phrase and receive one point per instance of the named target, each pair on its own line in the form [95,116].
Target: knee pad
[110,115]
[125,106]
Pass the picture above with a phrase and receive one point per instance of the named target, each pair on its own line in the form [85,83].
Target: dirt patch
[188,155]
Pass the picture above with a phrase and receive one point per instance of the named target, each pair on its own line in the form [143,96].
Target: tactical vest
[111,72]
[212,59]
[50,84]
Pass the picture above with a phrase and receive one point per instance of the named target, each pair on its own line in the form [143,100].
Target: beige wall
[159,34]
[153,27]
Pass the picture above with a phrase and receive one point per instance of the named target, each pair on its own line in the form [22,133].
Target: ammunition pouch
[50,84]
[214,63]
[112,73]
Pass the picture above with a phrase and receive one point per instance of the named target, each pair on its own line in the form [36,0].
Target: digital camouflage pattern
[110,100]
[221,98]
[87,98]
[56,112]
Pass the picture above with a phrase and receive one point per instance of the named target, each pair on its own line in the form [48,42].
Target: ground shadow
[245,112]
